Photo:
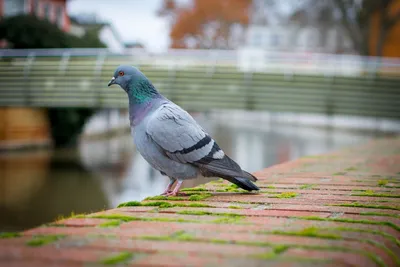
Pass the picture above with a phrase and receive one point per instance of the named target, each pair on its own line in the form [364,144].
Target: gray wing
[179,135]
[183,140]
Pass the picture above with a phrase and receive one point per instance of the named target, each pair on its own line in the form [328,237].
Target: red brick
[270,223]
[348,258]
[150,246]
[82,222]
[247,212]
[86,242]
[300,241]
[50,253]
[263,199]
[324,208]
[63,230]
[38,263]
[175,260]
[371,218]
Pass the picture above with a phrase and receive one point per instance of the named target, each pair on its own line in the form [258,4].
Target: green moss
[234,207]
[371,193]
[379,214]
[71,216]
[383,182]
[242,202]
[199,197]
[41,240]
[310,232]
[125,218]
[194,212]
[177,236]
[112,223]
[156,238]
[165,198]
[193,189]
[195,205]
[5,235]
[339,173]
[119,258]
[115,216]
[201,213]
[307,186]
[286,195]
[163,204]
[219,181]
[130,204]
[368,206]
[277,249]
[351,169]
[316,218]
[230,190]
[182,236]
[271,187]
[228,220]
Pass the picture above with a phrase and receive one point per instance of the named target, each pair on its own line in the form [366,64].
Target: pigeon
[169,138]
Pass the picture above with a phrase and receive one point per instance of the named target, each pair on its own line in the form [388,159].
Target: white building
[303,30]
[106,33]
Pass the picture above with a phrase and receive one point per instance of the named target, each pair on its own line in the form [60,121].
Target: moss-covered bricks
[338,209]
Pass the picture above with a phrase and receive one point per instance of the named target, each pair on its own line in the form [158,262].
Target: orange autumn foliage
[207,23]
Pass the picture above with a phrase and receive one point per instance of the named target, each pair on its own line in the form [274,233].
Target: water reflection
[36,187]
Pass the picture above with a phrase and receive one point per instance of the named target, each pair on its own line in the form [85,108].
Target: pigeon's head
[124,75]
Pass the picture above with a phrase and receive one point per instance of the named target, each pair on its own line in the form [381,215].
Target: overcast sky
[135,20]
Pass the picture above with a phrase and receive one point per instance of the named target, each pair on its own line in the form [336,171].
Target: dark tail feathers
[243,183]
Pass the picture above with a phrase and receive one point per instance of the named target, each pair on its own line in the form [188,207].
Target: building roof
[95,25]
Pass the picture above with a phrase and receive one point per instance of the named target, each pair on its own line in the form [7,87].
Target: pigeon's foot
[165,193]
[176,194]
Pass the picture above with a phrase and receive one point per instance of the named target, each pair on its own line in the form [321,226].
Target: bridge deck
[338,209]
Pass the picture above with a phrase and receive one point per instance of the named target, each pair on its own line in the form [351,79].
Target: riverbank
[336,209]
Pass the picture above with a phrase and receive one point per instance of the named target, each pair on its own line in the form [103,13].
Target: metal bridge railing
[206,79]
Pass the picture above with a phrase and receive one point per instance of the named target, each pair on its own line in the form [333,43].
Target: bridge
[204,80]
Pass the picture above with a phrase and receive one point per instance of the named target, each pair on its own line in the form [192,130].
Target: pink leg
[176,189]
[169,187]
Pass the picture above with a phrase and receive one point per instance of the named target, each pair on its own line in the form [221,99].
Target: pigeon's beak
[112,81]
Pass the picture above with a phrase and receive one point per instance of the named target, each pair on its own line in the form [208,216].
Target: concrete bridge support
[24,127]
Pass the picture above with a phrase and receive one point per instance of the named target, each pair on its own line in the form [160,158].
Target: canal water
[39,186]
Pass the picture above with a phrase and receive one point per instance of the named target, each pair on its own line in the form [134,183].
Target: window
[14,7]
[47,11]
[275,40]
[60,16]
[256,39]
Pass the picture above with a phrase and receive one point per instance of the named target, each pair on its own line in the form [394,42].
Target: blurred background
[271,80]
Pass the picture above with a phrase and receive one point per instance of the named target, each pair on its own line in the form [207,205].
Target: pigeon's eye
[121,73]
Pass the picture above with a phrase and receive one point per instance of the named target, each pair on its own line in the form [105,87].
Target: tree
[27,31]
[205,24]
[358,17]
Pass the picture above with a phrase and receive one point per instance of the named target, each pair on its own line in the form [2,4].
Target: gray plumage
[170,140]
